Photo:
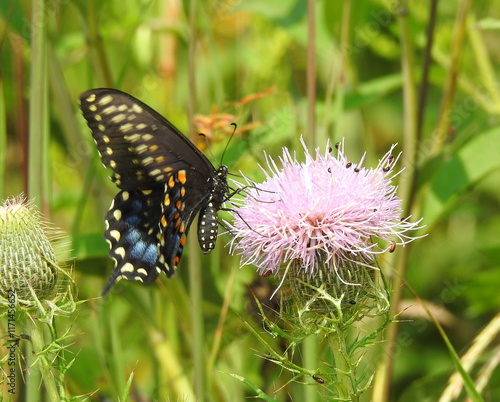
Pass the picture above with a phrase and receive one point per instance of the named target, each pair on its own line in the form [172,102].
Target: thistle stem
[39,360]
[346,375]
[310,350]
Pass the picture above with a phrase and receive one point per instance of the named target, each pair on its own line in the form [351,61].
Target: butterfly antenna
[235,126]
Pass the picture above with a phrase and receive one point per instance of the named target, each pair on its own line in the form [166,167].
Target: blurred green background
[385,72]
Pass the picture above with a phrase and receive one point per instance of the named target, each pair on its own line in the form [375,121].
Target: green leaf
[463,170]
[126,391]
[258,391]
[482,292]
[489,23]
[89,245]
[12,13]
[373,90]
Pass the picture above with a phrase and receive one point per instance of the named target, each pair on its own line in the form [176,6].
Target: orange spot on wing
[181,176]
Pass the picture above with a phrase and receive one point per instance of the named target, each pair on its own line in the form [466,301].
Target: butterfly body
[165,181]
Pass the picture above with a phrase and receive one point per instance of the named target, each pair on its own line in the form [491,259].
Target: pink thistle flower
[325,211]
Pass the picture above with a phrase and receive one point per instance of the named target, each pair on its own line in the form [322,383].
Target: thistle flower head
[320,219]
[325,206]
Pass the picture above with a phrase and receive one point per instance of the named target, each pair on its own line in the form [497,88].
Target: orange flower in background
[260,95]
[209,125]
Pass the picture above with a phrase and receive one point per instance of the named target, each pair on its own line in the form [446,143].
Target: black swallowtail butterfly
[164,181]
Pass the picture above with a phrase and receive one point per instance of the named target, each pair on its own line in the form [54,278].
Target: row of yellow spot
[108,99]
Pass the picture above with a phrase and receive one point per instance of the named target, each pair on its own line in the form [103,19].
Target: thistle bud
[333,296]
[28,264]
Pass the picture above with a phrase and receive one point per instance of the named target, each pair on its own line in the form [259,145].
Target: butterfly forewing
[165,180]
[140,145]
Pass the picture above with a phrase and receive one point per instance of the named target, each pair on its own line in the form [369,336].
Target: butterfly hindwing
[165,181]
[175,221]
[179,210]
[133,236]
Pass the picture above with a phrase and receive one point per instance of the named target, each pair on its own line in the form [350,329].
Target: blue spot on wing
[151,253]
[137,250]
[133,220]
[136,205]
[133,235]
[145,252]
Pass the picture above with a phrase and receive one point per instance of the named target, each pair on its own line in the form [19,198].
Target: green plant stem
[462,366]
[116,350]
[20,85]
[345,378]
[466,84]
[3,118]
[38,120]
[174,377]
[486,72]
[197,336]
[311,137]
[195,288]
[214,352]
[340,88]
[424,82]
[441,132]
[3,139]
[409,149]
[97,51]
[39,361]
[384,372]
[310,352]
[408,190]
[410,112]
